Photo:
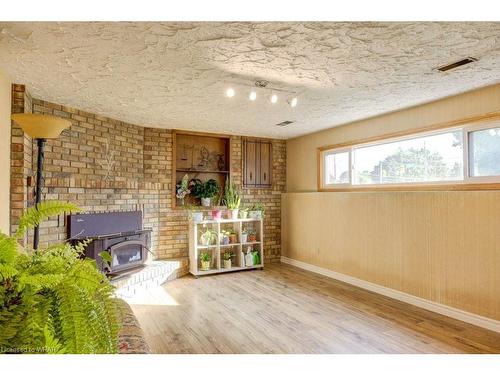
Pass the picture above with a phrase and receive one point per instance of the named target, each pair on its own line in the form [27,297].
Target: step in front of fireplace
[150,275]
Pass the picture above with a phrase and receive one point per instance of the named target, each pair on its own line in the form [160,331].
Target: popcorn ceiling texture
[173,75]
[141,177]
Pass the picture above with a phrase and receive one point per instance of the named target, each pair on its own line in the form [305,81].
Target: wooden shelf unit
[217,249]
[187,159]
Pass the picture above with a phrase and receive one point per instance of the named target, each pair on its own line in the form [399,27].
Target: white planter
[243,214]
[243,238]
[254,215]
[234,214]
[198,216]
[205,266]
[227,263]
[205,202]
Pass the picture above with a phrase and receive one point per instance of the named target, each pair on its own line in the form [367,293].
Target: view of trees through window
[424,159]
[429,158]
[484,150]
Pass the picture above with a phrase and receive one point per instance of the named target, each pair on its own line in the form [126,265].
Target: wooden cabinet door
[257,163]
[265,164]
[250,163]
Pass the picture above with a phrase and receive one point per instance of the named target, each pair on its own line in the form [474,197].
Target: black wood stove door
[127,254]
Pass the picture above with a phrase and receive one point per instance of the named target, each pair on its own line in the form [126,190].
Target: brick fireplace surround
[141,177]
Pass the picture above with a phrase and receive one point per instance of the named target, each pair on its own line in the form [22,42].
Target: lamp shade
[41,126]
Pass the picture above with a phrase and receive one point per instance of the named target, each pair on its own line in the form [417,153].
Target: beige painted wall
[441,246]
[5,103]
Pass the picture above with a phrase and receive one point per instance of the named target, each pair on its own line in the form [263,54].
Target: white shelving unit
[217,250]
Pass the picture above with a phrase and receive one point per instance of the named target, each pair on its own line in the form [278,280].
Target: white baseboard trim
[478,320]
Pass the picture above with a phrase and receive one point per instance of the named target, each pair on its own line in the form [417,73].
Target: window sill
[426,187]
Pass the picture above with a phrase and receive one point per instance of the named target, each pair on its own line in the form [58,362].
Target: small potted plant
[233,238]
[205,191]
[252,235]
[194,213]
[256,212]
[205,259]
[243,213]
[227,259]
[183,189]
[231,198]
[208,237]
[224,237]
[216,214]
[244,236]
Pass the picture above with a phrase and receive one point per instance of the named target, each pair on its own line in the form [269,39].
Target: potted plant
[224,237]
[54,299]
[252,235]
[205,259]
[243,213]
[194,213]
[205,191]
[217,214]
[257,211]
[231,198]
[227,259]
[244,236]
[183,189]
[208,237]
[233,238]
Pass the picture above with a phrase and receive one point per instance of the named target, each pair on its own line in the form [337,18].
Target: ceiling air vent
[284,123]
[456,64]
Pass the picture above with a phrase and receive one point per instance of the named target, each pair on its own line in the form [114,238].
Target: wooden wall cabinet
[257,163]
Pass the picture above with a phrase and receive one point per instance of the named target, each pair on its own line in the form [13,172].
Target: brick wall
[139,178]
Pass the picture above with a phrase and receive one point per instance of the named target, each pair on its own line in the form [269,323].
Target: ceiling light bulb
[492,132]
[293,102]
[230,92]
[274,99]
[252,96]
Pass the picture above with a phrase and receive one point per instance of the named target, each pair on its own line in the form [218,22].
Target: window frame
[469,182]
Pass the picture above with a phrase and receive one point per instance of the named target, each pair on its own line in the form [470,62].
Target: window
[460,155]
[484,152]
[337,168]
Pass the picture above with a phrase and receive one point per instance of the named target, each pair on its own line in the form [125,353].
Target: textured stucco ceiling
[174,75]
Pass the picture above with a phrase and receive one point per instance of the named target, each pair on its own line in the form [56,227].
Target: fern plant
[53,300]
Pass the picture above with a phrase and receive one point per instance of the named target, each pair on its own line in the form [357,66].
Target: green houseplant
[53,300]
[256,211]
[231,198]
[205,259]
[227,259]
[243,213]
[206,191]
[208,237]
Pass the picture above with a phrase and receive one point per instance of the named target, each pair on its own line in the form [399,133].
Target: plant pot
[243,214]
[227,263]
[234,213]
[233,238]
[255,215]
[197,216]
[206,202]
[205,266]
[224,241]
[216,214]
[252,238]
[244,237]
[205,241]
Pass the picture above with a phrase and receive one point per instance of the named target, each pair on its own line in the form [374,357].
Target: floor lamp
[41,128]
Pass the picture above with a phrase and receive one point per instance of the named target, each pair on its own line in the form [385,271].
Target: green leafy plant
[228,255]
[52,300]
[205,257]
[208,189]
[231,197]
[209,236]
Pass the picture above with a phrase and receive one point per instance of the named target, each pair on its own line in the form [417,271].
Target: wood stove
[119,233]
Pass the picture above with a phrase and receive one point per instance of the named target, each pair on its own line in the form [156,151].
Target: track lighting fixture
[252,96]
[230,92]
[274,99]
[293,102]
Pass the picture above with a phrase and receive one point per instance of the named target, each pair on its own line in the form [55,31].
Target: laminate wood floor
[284,309]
